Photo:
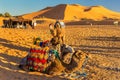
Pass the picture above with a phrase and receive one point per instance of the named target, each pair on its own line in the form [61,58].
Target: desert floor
[102,42]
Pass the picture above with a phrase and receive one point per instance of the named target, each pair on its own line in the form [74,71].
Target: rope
[55,53]
[84,64]
[81,74]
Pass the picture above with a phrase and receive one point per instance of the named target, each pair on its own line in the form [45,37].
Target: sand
[34,14]
[1,21]
[74,12]
[101,42]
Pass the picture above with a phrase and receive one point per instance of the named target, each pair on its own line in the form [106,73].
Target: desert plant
[6,14]
[1,15]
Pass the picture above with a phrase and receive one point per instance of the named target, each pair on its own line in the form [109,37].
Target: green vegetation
[6,14]
[1,15]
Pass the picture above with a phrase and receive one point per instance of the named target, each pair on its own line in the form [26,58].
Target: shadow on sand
[101,50]
[9,65]
[106,68]
[7,43]
[9,68]
[113,38]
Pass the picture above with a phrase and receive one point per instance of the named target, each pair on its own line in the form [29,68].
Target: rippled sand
[102,42]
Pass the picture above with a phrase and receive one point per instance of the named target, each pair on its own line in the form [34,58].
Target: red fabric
[29,58]
[37,51]
[46,41]
[35,61]
[43,61]
[36,66]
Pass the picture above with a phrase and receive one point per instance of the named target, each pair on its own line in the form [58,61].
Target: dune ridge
[74,12]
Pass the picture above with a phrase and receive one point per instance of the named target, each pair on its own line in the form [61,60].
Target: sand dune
[34,14]
[92,12]
[75,12]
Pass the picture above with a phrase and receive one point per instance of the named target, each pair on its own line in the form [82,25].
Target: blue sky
[18,7]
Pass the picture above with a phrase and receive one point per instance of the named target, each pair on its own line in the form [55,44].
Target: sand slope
[1,21]
[75,12]
[34,14]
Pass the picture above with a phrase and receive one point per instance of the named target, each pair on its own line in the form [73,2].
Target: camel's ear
[51,27]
